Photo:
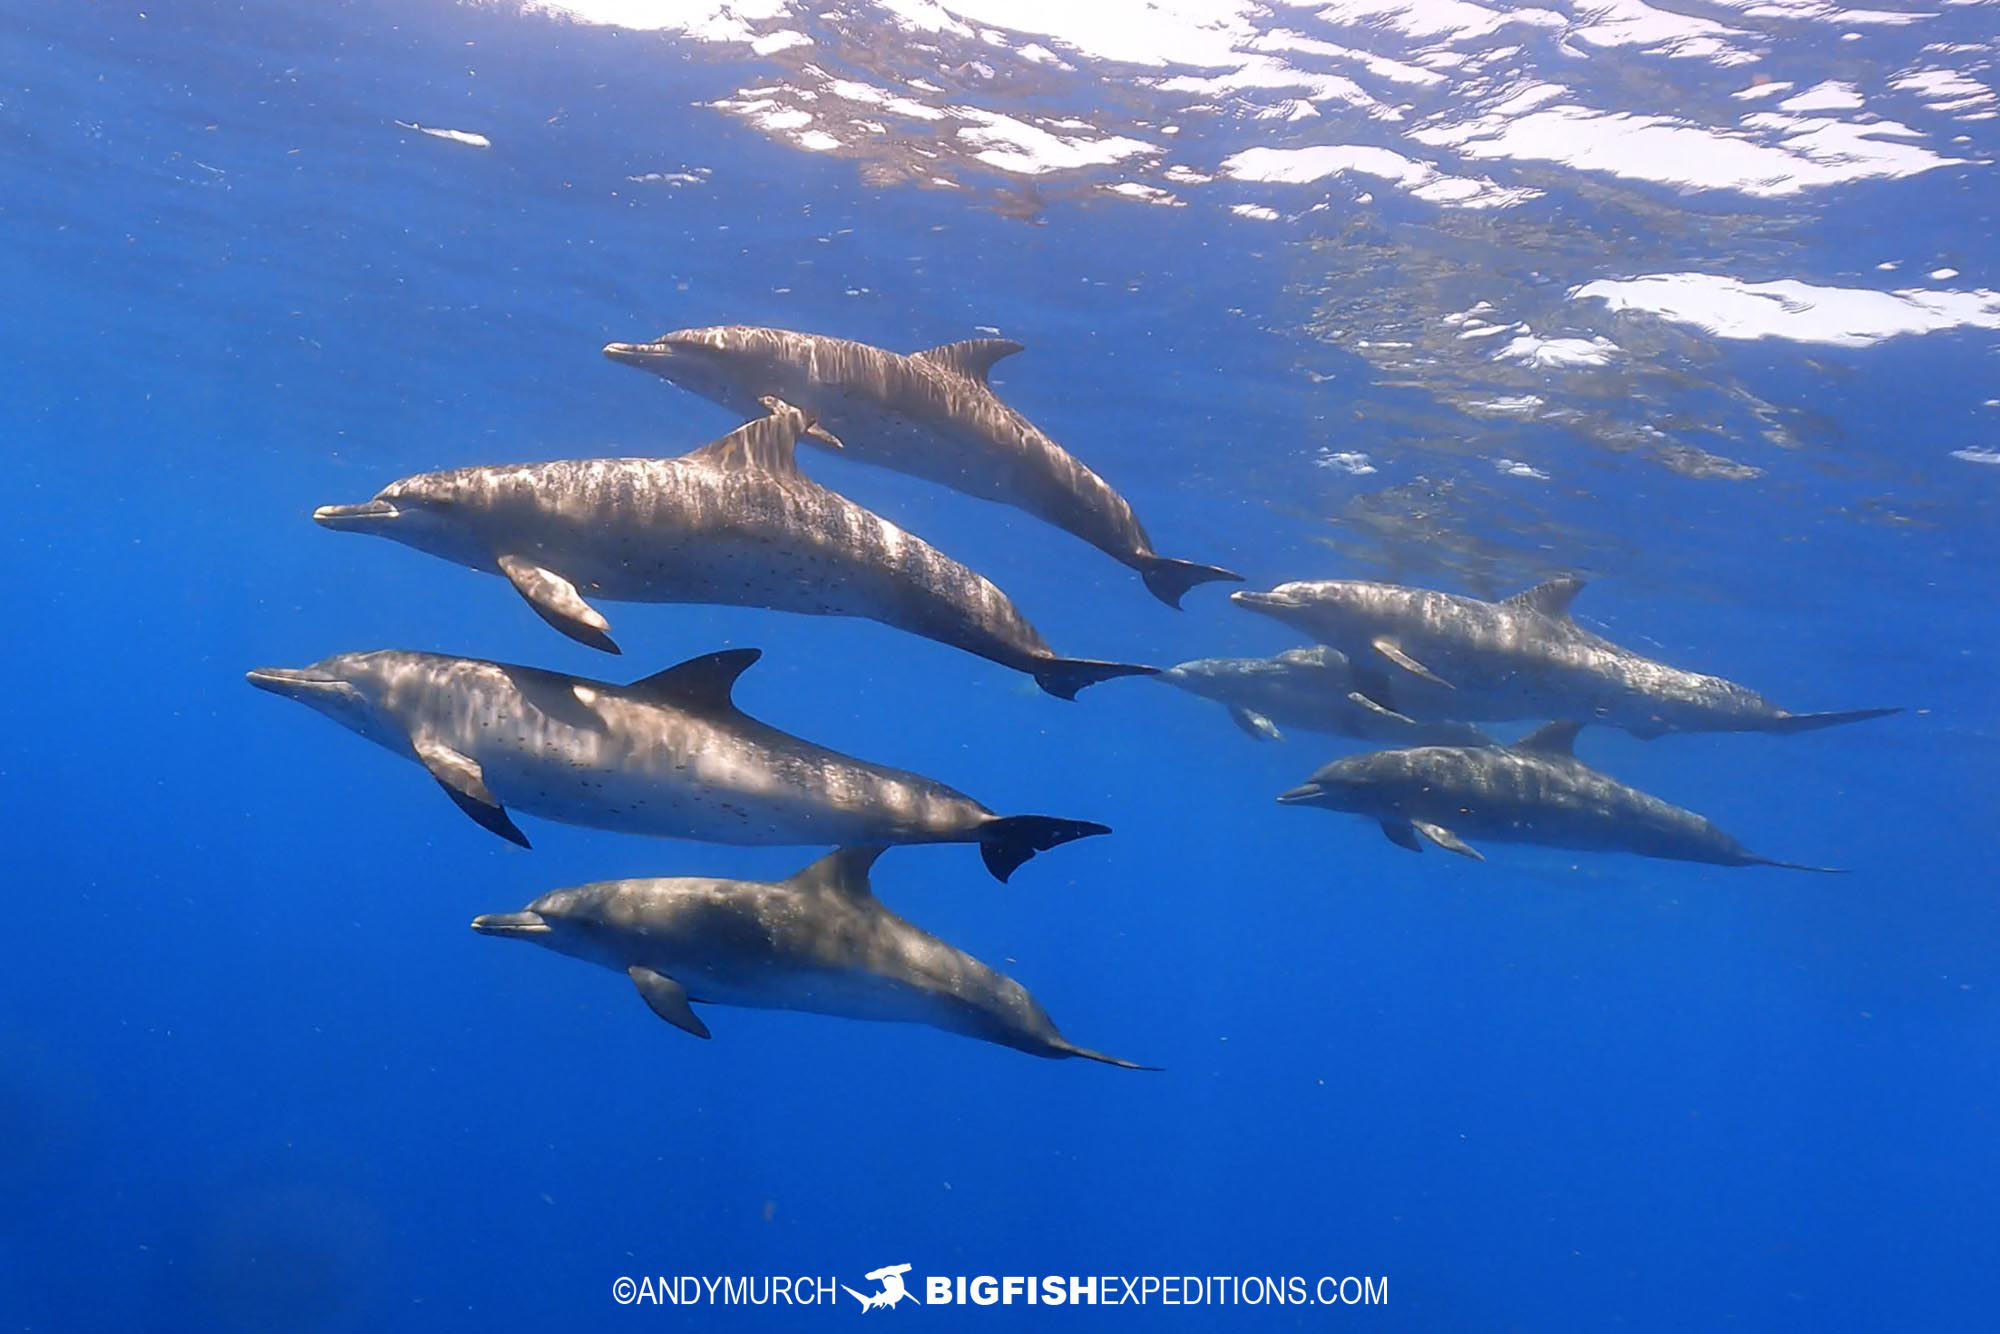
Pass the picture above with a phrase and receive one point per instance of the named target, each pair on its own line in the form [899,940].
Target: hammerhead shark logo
[893,1290]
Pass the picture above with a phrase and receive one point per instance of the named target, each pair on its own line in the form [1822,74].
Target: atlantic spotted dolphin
[930,414]
[819,942]
[1458,657]
[1534,791]
[1314,689]
[734,522]
[670,755]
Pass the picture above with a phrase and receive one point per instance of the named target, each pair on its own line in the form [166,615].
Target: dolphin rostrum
[819,942]
[734,522]
[670,755]
[1457,657]
[930,414]
[1316,689]
[1534,791]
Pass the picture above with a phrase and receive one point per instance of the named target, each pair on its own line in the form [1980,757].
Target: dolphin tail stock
[1786,724]
[1063,1048]
[1169,579]
[1063,677]
[1008,840]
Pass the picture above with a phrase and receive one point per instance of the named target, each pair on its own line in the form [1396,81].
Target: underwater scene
[1211,664]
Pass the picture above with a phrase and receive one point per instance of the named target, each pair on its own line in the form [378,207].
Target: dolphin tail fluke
[1007,841]
[1794,866]
[1063,1047]
[1169,579]
[1812,722]
[1063,677]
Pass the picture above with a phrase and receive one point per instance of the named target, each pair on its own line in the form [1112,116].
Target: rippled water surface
[1698,303]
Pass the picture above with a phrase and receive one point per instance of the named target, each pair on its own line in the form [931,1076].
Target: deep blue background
[256,1073]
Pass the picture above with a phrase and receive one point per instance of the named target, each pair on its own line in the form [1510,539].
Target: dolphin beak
[291,682]
[354,517]
[1302,795]
[1245,598]
[516,924]
[636,354]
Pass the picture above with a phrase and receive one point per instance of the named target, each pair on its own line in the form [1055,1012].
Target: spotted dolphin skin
[1534,791]
[819,942]
[1313,689]
[930,414]
[670,756]
[734,522]
[1457,657]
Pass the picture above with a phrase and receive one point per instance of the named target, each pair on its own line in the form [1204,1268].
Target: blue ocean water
[255,1071]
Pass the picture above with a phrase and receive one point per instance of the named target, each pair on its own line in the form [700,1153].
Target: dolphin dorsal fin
[1554,739]
[701,685]
[972,358]
[767,443]
[1551,598]
[1318,656]
[843,869]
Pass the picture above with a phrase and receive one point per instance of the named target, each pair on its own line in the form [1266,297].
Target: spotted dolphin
[818,942]
[1458,657]
[733,522]
[1315,689]
[1534,791]
[930,414]
[670,755]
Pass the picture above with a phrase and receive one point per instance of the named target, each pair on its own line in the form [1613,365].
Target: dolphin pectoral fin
[1403,836]
[460,777]
[493,819]
[1390,650]
[556,601]
[557,698]
[668,999]
[1445,839]
[819,435]
[1361,701]
[1372,684]
[1254,723]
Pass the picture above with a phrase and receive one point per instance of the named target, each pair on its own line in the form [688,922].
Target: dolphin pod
[737,522]
[931,415]
[819,941]
[1460,658]
[733,522]
[1439,657]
